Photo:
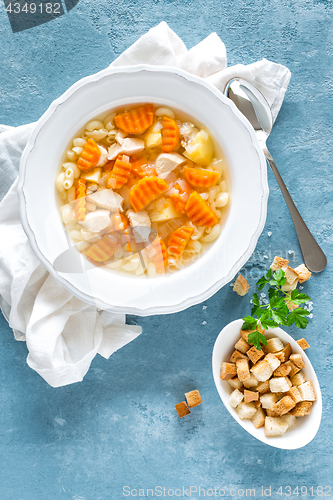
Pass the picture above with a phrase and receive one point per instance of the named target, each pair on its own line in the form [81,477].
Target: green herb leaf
[249,323]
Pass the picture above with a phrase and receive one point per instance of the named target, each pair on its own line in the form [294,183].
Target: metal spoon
[256,109]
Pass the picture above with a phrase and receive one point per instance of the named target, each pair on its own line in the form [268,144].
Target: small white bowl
[116,87]
[305,428]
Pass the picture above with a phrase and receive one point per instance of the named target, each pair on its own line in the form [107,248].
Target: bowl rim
[274,442]
[189,301]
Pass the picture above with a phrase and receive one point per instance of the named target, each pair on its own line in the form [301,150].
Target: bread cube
[290,274]
[275,426]
[295,394]
[263,387]
[283,355]
[289,287]
[235,383]
[235,398]
[257,403]
[297,360]
[243,371]
[293,368]
[237,355]
[250,396]
[279,384]
[258,418]
[298,379]
[301,409]
[284,405]
[303,273]
[182,409]
[242,346]
[278,263]
[303,344]
[193,398]
[254,354]
[250,382]
[271,413]
[273,361]
[268,400]
[282,370]
[246,410]
[273,345]
[241,286]
[307,391]
[289,419]
[227,371]
[262,370]
[280,356]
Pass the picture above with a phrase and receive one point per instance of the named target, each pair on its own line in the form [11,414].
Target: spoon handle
[314,257]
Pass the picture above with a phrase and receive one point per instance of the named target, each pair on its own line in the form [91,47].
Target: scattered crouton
[237,355]
[235,383]
[250,396]
[258,418]
[282,371]
[241,286]
[293,368]
[301,409]
[262,370]
[278,263]
[289,287]
[251,382]
[193,398]
[307,391]
[254,354]
[246,410]
[268,400]
[228,370]
[273,345]
[295,394]
[284,405]
[303,273]
[235,398]
[290,274]
[275,426]
[182,409]
[303,344]
[280,384]
[297,360]
[298,379]
[243,371]
[242,346]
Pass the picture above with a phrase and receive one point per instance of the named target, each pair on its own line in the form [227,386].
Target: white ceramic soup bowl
[305,428]
[116,87]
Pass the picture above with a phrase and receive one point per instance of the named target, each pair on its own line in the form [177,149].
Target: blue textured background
[119,426]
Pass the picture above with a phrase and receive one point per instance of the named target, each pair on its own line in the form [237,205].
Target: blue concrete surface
[119,427]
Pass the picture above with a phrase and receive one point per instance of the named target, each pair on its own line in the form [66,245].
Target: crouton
[262,370]
[273,345]
[280,384]
[293,368]
[290,274]
[271,413]
[278,263]
[250,396]
[303,273]
[228,370]
[258,418]
[235,383]
[235,398]
[254,354]
[193,398]
[246,410]
[301,409]
[298,379]
[263,387]
[242,366]
[280,356]
[307,391]
[237,355]
[268,400]
[241,286]
[242,346]
[257,403]
[245,334]
[295,394]
[273,361]
[182,409]
[289,419]
[297,360]
[275,426]
[251,381]
[303,344]
[284,405]
[289,287]
[283,355]
[282,371]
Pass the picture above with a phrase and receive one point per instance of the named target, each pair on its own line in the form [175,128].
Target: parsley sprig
[276,312]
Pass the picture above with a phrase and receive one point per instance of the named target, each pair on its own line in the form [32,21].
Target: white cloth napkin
[63,334]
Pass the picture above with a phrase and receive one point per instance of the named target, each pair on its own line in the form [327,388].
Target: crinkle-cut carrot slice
[179,199]
[120,172]
[170,135]
[146,190]
[178,203]
[199,212]
[141,167]
[80,203]
[103,249]
[200,177]
[109,166]
[89,157]
[136,120]
[120,222]
[160,258]
[178,240]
